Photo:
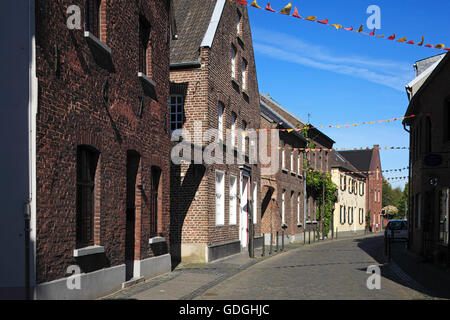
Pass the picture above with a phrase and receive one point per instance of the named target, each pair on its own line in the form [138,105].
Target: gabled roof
[316,131]
[360,159]
[337,160]
[197,22]
[423,70]
[271,115]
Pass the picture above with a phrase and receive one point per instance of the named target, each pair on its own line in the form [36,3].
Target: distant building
[350,208]
[215,207]
[429,175]
[283,191]
[315,159]
[368,162]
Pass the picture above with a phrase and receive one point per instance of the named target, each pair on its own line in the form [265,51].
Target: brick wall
[193,186]
[72,112]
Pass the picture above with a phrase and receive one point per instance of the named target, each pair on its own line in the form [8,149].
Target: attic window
[238,24]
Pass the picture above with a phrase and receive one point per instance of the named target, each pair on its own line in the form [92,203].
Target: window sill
[156,240]
[148,85]
[293,173]
[284,170]
[235,84]
[102,53]
[87,251]
[240,40]
[300,176]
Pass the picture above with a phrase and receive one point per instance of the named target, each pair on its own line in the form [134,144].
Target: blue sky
[342,77]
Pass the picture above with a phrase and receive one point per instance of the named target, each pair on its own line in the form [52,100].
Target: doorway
[133,160]
[243,219]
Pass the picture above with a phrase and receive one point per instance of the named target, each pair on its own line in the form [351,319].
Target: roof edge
[213,24]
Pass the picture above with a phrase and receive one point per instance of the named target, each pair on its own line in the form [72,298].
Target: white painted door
[243,219]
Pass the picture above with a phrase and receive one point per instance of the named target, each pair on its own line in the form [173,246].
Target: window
[244,133]
[361,216]
[255,202]
[298,163]
[233,199]
[443,215]
[154,200]
[220,121]
[342,214]
[283,212]
[96,18]
[350,215]
[176,112]
[361,188]
[292,161]
[298,208]
[238,24]
[220,199]
[144,47]
[233,62]
[244,74]
[343,182]
[233,129]
[87,160]
[283,157]
[447,118]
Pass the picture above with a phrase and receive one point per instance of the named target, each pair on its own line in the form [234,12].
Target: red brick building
[102,145]
[214,207]
[283,191]
[316,159]
[369,160]
[429,175]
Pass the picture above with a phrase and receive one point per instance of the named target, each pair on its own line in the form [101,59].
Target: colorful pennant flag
[286,10]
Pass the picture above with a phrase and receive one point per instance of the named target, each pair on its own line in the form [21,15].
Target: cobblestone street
[327,270]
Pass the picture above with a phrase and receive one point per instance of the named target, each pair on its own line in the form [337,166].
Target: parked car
[399,228]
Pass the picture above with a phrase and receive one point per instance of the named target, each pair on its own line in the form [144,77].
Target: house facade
[429,175]
[99,146]
[316,158]
[283,189]
[369,164]
[350,209]
[215,206]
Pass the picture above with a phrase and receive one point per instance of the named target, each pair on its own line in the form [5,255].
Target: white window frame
[283,207]
[283,158]
[233,129]
[233,61]
[255,202]
[298,208]
[244,74]
[244,134]
[220,216]
[233,200]
[292,161]
[220,112]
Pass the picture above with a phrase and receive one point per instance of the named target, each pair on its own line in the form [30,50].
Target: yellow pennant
[337,26]
[254,4]
[360,29]
[290,130]
[402,39]
[311,18]
[440,46]
[286,10]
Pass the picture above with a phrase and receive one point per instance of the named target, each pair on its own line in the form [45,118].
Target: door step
[132,282]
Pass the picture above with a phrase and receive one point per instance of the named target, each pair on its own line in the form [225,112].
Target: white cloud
[389,73]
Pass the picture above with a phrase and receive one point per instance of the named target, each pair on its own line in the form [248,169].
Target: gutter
[185,65]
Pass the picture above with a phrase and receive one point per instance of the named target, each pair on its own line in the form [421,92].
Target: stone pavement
[189,281]
[329,269]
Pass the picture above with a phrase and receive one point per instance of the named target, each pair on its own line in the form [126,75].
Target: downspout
[30,205]
[409,189]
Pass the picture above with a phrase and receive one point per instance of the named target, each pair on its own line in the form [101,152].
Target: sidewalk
[189,281]
[431,279]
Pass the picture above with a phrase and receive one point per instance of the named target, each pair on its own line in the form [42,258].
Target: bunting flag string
[368,172]
[288,8]
[341,126]
[341,149]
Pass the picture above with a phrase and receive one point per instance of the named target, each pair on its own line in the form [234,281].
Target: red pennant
[372,33]
[448,49]
[268,8]
[410,42]
[244,2]
[428,46]
[295,14]
[349,29]
[323,21]
[392,37]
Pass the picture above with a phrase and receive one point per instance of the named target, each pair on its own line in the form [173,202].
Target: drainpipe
[409,190]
